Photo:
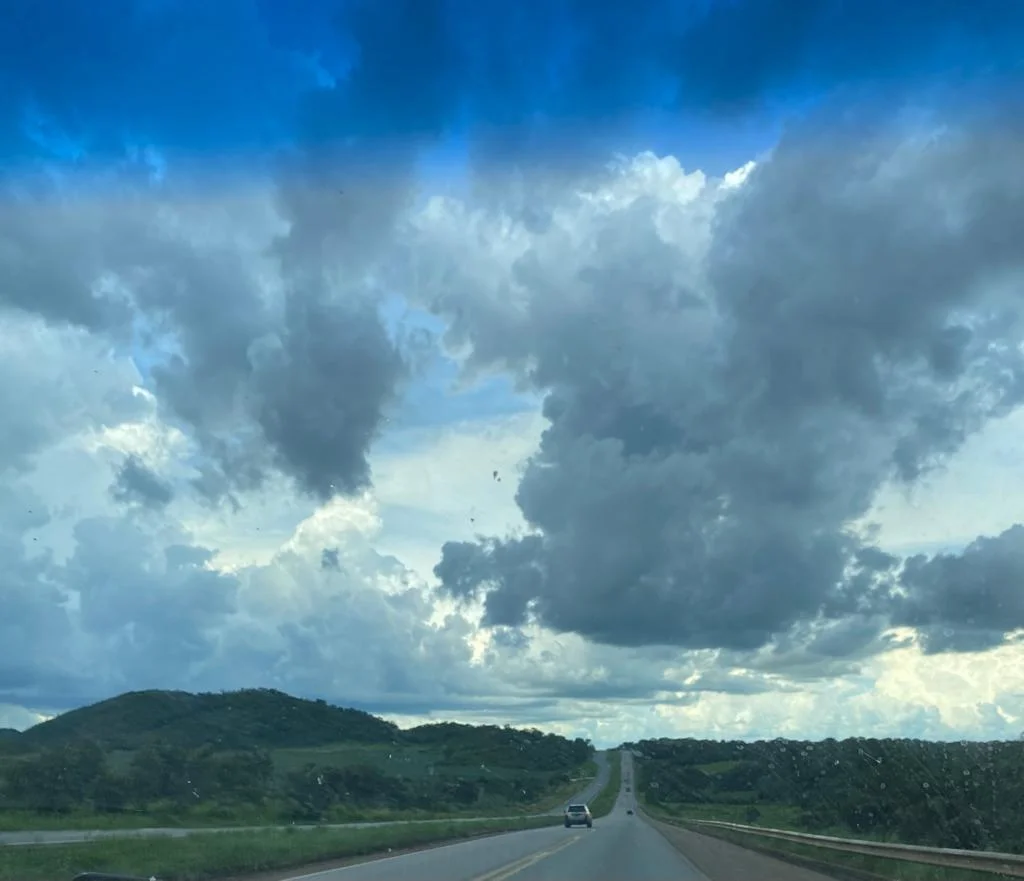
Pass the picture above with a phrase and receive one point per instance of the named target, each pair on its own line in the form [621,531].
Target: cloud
[135,482]
[731,374]
[249,354]
[707,379]
[969,601]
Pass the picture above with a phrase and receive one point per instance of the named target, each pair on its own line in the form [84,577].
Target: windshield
[492,439]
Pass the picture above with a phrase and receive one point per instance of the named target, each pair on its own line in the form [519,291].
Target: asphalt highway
[619,846]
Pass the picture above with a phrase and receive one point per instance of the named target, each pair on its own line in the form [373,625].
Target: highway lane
[70,836]
[620,846]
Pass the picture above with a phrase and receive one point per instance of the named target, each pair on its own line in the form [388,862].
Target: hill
[252,718]
[10,739]
[258,756]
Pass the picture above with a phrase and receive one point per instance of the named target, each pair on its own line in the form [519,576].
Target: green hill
[253,718]
[10,740]
[258,756]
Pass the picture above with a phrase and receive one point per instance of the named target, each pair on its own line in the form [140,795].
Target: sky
[624,370]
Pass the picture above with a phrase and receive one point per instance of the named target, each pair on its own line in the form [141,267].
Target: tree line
[170,779]
[962,795]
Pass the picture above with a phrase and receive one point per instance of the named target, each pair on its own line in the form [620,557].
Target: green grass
[407,761]
[717,767]
[222,854]
[605,801]
[240,815]
[773,816]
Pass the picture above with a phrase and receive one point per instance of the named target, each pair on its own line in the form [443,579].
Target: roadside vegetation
[959,795]
[260,757]
[212,855]
[226,854]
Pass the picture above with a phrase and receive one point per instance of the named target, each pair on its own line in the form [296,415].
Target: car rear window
[577,808]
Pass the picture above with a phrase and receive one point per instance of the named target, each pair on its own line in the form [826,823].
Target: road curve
[71,836]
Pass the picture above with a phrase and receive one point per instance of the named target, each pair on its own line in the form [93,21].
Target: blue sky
[231,82]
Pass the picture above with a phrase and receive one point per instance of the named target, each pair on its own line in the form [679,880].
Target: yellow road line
[513,868]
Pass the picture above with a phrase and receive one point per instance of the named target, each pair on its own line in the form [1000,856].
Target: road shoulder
[721,859]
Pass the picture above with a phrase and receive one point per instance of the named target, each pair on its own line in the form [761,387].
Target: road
[70,836]
[620,846]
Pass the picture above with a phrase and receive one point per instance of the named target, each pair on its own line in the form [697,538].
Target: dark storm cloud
[969,601]
[329,559]
[459,66]
[156,615]
[705,459]
[137,483]
[300,388]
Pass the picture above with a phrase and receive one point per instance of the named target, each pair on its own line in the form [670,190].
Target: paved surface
[727,862]
[69,836]
[619,846]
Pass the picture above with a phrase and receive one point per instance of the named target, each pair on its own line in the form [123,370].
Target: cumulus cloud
[732,373]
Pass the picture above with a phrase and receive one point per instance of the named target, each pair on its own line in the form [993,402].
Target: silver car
[578,815]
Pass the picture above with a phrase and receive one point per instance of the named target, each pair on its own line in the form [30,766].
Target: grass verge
[774,816]
[224,854]
[605,801]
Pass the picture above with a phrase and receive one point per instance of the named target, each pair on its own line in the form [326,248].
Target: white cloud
[451,482]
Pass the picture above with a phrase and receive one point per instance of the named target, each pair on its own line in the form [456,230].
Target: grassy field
[222,854]
[717,767]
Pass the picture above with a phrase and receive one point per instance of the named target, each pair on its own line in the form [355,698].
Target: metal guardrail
[977,860]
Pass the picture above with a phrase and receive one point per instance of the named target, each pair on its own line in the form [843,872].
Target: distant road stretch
[70,836]
[620,847]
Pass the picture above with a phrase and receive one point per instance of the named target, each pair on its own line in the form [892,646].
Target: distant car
[630,811]
[578,815]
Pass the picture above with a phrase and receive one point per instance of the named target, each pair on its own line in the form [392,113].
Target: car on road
[630,811]
[578,815]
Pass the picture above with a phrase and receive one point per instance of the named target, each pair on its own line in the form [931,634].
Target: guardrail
[977,860]
[102,876]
